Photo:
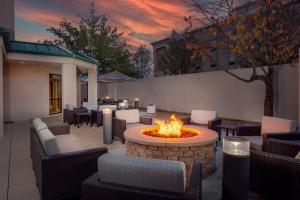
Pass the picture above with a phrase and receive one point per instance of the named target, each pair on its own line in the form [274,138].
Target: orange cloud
[142,21]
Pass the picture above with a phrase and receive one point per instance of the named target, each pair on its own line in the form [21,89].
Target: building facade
[37,80]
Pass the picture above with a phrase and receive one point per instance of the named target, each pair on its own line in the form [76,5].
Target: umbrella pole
[115,90]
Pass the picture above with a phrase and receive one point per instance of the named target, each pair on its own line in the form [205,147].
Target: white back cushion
[163,175]
[203,116]
[131,116]
[69,107]
[90,106]
[39,125]
[113,107]
[48,141]
[277,125]
[85,104]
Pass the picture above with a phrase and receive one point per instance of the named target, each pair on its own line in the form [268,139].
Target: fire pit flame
[170,129]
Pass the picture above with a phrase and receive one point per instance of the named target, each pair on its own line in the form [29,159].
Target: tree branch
[239,78]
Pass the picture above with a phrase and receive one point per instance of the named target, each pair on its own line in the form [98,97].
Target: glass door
[55,97]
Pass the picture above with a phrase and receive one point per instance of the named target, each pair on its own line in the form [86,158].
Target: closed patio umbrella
[114,77]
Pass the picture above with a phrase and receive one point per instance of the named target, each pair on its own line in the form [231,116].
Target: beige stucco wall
[286,99]
[7,16]
[102,89]
[27,90]
[212,91]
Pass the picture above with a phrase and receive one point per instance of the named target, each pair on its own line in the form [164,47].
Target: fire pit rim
[135,135]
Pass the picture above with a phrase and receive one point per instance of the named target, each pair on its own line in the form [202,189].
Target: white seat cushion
[131,116]
[298,156]
[203,116]
[277,125]
[256,142]
[69,143]
[163,175]
[48,140]
[39,125]
[113,107]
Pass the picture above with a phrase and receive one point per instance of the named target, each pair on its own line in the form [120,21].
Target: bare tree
[261,34]
[142,62]
[177,58]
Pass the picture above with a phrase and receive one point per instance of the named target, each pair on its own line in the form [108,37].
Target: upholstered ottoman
[151,109]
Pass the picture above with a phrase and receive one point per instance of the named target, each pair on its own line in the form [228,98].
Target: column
[1,90]
[299,90]
[92,86]
[78,88]
[69,84]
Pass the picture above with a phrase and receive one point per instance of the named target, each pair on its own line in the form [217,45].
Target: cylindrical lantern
[107,126]
[236,163]
[136,103]
[122,105]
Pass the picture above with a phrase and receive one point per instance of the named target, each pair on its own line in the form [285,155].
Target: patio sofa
[205,118]
[125,119]
[97,115]
[153,179]
[59,161]
[275,173]
[259,133]
[69,111]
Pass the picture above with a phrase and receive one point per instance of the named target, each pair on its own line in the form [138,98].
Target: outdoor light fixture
[235,176]
[136,103]
[237,146]
[107,126]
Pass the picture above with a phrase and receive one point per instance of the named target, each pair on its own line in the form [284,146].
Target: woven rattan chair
[276,173]
[60,176]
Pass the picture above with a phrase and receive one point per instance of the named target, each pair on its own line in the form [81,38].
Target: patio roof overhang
[25,57]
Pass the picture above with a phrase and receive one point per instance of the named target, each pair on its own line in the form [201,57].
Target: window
[213,62]
[232,59]
[55,96]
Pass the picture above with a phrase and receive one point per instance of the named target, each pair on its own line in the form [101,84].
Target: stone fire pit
[200,147]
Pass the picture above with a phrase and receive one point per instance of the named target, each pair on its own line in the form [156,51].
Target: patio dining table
[82,117]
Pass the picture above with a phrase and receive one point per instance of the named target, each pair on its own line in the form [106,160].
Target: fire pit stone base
[187,154]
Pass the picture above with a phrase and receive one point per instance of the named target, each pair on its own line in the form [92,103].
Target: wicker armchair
[275,173]
[68,115]
[211,124]
[119,126]
[205,118]
[97,117]
[94,189]
[60,176]
[258,134]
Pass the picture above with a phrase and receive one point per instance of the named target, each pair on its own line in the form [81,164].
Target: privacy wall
[215,91]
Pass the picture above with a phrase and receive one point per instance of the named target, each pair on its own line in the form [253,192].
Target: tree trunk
[269,95]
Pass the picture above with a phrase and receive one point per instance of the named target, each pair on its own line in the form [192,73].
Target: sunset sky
[142,21]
